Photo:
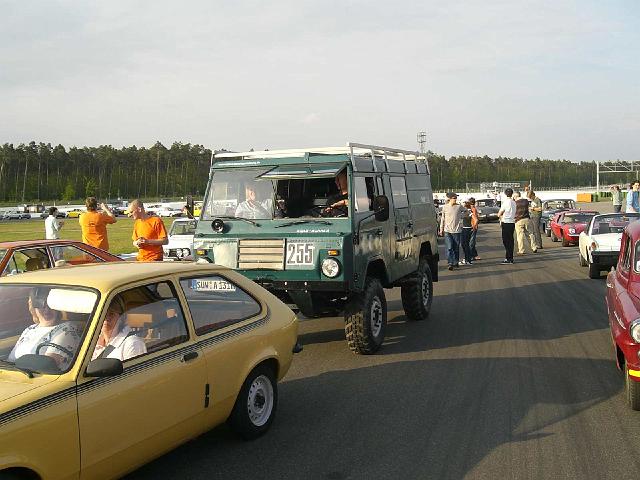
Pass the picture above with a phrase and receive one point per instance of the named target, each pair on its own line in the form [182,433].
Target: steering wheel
[54,345]
[317,211]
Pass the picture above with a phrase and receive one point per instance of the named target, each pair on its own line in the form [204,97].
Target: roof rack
[352,149]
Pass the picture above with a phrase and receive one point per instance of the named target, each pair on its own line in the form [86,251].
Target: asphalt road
[511,377]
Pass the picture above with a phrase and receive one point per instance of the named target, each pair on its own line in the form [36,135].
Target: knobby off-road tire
[632,389]
[255,407]
[417,294]
[583,262]
[365,318]
[594,271]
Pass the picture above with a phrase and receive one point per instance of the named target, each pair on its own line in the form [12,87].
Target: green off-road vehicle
[326,229]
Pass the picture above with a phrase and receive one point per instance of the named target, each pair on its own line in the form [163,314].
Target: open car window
[42,326]
[27,260]
[72,255]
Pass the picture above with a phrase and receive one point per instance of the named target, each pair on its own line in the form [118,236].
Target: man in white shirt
[52,225]
[507,215]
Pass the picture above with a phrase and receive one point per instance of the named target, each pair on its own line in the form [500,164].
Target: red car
[623,307]
[566,226]
[23,256]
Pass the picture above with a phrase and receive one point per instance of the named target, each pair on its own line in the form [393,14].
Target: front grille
[261,254]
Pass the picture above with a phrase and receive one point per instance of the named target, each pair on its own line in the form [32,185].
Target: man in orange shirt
[149,233]
[94,224]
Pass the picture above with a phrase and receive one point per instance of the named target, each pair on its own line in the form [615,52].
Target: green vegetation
[119,233]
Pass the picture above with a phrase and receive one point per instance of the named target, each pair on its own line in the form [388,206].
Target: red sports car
[23,256]
[623,307]
[566,226]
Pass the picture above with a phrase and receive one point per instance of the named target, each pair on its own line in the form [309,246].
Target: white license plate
[299,253]
[212,286]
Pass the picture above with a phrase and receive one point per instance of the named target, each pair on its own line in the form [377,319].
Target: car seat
[34,264]
[603,227]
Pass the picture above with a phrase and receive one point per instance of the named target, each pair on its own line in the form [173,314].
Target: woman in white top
[116,339]
[47,336]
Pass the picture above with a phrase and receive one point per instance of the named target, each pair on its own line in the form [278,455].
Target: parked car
[550,208]
[599,243]
[17,216]
[180,246]
[205,345]
[487,209]
[28,255]
[567,226]
[623,307]
[59,214]
[75,213]
[169,212]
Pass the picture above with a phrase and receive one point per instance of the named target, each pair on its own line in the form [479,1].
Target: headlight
[331,267]
[572,231]
[634,330]
[594,245]
[185,252]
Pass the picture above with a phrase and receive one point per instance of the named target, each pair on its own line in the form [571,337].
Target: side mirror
[104,367]
[381,208]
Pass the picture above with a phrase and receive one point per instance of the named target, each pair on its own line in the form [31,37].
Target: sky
[555,79]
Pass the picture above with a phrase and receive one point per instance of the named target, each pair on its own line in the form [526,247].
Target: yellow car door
[156,403]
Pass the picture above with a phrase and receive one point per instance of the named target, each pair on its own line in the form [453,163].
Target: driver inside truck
[258,202]
[338,203]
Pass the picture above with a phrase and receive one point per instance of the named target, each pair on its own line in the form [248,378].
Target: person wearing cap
[94,224]
[451,228]
[116,339]
[47,336]
[52,225]
[507,216]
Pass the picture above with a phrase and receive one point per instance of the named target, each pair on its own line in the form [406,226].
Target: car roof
[106,276]
[30,243]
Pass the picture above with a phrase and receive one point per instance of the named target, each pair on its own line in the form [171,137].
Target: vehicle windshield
[289,191]
[612,223]
[556,204]
[39,321]
[239,193]
[578,218]
[486,203]
[183,228]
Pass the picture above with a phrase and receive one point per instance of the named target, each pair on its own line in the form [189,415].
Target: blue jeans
[452,242]
[472,243]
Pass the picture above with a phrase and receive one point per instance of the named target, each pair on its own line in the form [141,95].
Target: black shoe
[450,267]
[505,261]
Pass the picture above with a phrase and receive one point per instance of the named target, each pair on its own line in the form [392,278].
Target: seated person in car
[48,335]
[117,340]
[337,204]
[258,203]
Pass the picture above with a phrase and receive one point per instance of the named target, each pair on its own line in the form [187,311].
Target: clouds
[511,78]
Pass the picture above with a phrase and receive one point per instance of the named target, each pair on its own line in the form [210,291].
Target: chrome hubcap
[260,401]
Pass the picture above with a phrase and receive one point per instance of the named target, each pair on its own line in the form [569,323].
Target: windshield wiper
[11,366]
[300,222]
[238,218]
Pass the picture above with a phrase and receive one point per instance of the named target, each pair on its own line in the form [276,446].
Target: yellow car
[75,213]
[105,367]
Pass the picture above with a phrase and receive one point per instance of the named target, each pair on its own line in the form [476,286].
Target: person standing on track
[507,216]
[52,225]
[94,224]
[475,222]
[451,228]
[633,202]
[523,224]
[616,197]
[535,212]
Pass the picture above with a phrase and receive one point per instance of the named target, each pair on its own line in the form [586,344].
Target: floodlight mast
[422,141]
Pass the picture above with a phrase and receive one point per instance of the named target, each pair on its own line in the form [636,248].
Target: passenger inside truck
[310,197]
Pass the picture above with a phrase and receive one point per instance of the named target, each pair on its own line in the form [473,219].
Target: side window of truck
[399,192]
[364,193]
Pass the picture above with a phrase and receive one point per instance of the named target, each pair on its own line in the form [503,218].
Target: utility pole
[158,173]
[422,141]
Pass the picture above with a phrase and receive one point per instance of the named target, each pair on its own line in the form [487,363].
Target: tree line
[41,172]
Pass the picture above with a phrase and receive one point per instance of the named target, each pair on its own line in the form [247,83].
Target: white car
[169,212]
[180,246]
[599,243]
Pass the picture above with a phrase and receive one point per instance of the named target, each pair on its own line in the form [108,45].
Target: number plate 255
[300,253]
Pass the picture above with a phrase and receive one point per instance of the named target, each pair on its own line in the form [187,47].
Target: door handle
[189,356]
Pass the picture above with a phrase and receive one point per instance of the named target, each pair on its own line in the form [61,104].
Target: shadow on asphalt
[417,419]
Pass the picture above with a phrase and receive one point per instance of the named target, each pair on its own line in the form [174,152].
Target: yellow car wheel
[255,407]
